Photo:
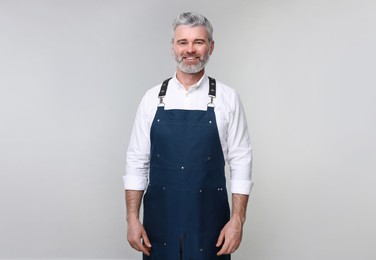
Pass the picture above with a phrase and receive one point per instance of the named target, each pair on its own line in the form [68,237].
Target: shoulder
[226,94]
[224,89]
[151,95]
[149,101]
[153,92]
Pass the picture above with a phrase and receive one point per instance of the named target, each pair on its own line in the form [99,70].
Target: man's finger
[225,246]
[220,239]
[145,239]
[228,248]
[142,248]
[224,249]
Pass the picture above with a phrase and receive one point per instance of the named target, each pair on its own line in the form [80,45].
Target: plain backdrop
[72,73]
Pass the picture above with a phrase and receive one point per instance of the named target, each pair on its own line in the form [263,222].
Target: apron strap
[212,87]
[162,92]
[212,90]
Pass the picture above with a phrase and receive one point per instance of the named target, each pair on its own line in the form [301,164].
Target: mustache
[190,55]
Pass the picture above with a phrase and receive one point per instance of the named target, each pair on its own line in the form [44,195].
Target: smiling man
[186,129]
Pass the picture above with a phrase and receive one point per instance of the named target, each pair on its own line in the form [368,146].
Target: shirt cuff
[133,182]
[241,186]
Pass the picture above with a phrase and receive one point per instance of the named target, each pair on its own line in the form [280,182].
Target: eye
[200,42]
[182,43]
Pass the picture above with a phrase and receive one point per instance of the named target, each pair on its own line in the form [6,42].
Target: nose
[191,48]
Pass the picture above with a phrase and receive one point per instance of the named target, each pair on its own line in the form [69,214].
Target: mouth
[191,59]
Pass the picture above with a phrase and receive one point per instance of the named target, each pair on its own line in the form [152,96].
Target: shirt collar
[193,87]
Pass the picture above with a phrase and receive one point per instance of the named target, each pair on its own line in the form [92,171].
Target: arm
[137,236]
[239,157]
[136,177]
[231,235]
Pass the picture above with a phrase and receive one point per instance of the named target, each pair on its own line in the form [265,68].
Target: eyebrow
[195,40]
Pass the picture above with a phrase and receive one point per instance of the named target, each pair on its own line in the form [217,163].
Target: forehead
[189,32]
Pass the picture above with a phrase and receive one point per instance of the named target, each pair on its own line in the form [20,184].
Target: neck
[187,79]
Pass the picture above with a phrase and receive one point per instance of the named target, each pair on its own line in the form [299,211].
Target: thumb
[146,239]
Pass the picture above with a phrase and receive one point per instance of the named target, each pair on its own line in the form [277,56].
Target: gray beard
[191,69]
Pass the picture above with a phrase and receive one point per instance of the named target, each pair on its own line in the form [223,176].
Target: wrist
[239,217]
[132,217]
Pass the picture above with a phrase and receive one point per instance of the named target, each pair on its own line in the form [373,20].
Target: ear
[211,47]
[172,50]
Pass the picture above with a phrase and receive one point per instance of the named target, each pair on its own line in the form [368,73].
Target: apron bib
[186,204]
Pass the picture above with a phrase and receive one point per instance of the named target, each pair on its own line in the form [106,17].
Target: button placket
[187,100]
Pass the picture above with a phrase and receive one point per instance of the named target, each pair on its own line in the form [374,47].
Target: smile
[190,58]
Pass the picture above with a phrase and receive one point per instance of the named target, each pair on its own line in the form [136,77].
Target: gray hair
[192,19]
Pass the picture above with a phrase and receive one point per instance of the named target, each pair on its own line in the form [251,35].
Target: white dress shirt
[232,129]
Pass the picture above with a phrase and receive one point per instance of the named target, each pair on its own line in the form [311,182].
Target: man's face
[191,48]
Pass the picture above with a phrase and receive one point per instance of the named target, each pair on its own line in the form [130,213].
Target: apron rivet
[200,190]
[164,188]
[210,122]
[182,167]
[164,244]
[201,249]
[209,158]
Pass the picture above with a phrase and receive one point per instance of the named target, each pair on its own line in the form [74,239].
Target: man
[185,130]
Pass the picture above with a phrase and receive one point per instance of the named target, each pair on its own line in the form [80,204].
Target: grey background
[73,72]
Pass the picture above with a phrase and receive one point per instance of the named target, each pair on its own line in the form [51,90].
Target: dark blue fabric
[186,203]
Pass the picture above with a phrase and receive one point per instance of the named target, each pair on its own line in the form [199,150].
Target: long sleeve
[138,154]
[239,151]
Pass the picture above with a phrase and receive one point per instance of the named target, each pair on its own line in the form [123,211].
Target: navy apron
[186,204]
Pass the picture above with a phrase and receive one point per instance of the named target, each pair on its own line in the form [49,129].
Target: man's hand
[231,234]
[137,236]
[230,237]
